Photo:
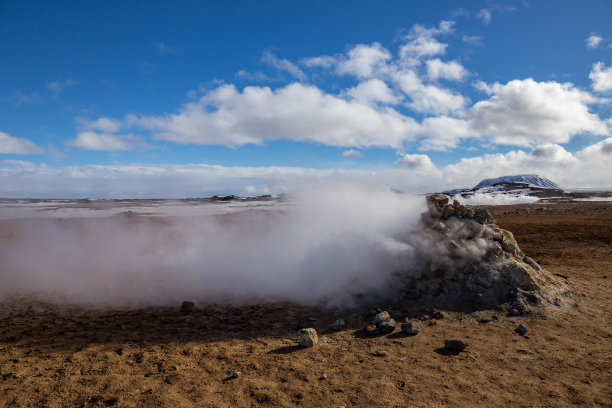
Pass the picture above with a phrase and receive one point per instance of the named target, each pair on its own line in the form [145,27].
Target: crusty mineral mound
[468,261]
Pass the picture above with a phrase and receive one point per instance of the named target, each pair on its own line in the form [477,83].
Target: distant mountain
[529,179]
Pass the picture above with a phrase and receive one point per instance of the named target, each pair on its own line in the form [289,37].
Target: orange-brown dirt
[54,355]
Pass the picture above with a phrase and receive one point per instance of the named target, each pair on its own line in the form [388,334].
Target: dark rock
[437,314]
[381,317]
[410,329]
[370,330]
[337,325]
[388,326]
[522,330]
[455,345]
[187,307]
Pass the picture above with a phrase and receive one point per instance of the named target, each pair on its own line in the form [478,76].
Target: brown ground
[59,356]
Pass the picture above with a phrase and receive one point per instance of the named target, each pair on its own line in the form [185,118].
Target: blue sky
[131,98]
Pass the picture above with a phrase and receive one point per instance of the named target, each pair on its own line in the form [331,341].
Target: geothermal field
[199,302]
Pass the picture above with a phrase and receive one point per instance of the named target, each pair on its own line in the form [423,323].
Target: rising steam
[327,244]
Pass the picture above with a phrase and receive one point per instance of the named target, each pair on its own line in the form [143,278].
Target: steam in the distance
[326,245]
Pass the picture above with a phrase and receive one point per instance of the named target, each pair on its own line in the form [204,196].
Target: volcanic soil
[56,355]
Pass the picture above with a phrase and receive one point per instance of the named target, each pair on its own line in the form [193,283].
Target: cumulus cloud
[594,40]
[91,140]
[586,168]
[272,60]
[364,61]
[380,94]
[601,77]
[422,42]
[102,124]
[351,154]
[526,112]
[298,112]
[17,145]
[452,70]
[373,91]
[420,162]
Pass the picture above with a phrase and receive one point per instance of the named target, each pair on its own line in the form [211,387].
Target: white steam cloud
[324,246]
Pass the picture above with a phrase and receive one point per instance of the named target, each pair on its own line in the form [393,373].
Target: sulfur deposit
[469,262]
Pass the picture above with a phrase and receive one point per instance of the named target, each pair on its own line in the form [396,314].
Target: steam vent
[469,262]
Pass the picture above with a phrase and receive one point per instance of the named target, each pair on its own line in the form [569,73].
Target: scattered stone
[337,325]
[370,330]
[604,277]
[455,345]
[380,353]
[410,329]
[381,317]
[236,374]
[307,337]
[187,307]
[323,377]
[437,314]
[387,326]
[432,323]
[514,312]
[521,330]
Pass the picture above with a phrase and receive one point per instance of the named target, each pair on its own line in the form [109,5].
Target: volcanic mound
[468,262]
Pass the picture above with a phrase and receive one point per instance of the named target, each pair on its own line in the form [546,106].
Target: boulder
[307,337]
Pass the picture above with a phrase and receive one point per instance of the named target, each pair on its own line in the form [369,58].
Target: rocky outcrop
[470,261]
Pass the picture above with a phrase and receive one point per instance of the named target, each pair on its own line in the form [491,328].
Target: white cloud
[444,132]
[589,167]
[91,140]
[325,62]
[57,87]
[17,145]
[594,40]
[351,154]
[526,112]
[419,162]
[253,76]
[428,98]
[283,65]
[296,112]
[102,124]
[484,15]
[422,43]
[472,40]
[601,77]
[452,70]
[364,61]
[373,91]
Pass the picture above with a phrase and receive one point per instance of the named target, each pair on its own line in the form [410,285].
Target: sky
[112,99]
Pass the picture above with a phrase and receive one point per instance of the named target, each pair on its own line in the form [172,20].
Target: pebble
[370,330]
[236,374]
[386,327]
[307,337]
[455,345]
[411,329]
[380,353]
[337,325]
[522,330]
[323,377]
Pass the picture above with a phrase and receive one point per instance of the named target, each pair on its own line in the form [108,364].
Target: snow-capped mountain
[530,179]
